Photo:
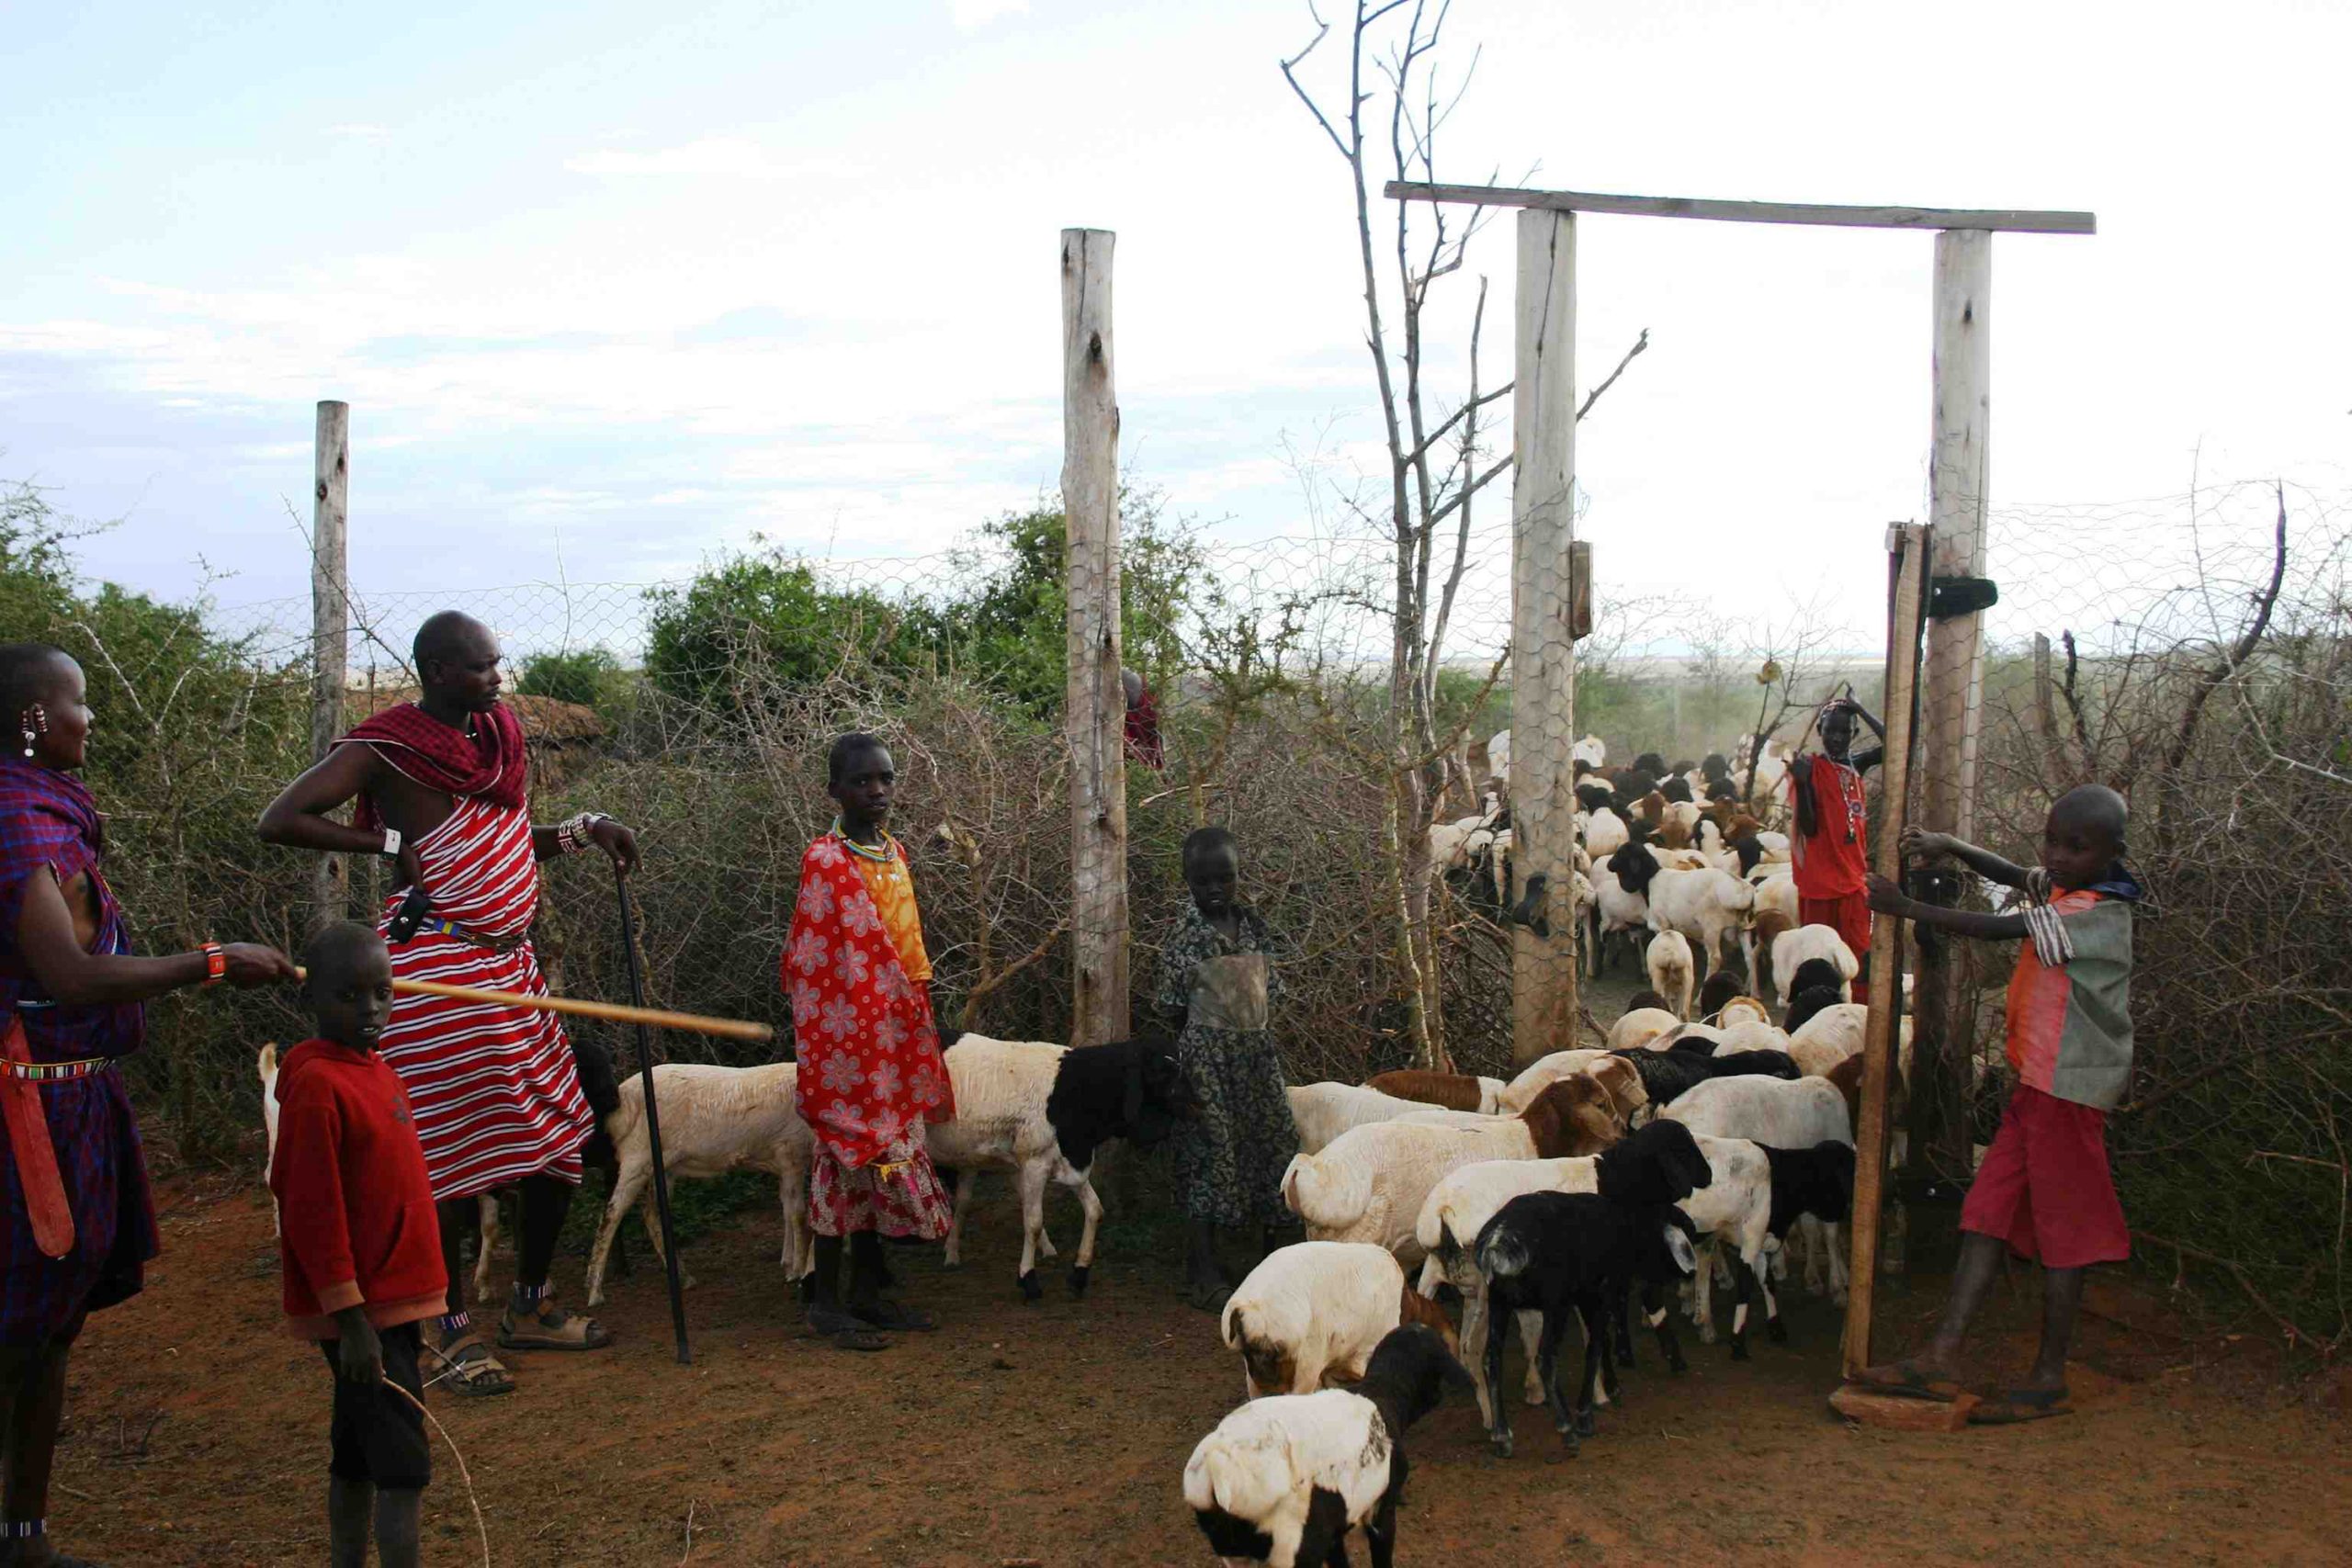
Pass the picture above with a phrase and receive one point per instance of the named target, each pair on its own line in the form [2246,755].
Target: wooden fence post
[1542,642]
[1095,711]
[330,626]
[1959,478]
[1907,547]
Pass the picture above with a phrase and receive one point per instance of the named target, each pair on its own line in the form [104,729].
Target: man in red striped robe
[442,785]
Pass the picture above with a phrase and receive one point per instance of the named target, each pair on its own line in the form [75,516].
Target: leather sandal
[550,1329]
[468,1367]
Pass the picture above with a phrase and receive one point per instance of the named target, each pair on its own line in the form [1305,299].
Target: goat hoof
[1776,1331]
[1677,1366]
[1706,1334]
[1586,1426]
[1502,1444]
[1078,1276]
[1533,1397]
[1738,1352]
[1031,1290]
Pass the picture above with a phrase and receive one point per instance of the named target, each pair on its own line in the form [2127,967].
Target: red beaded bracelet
[216,964]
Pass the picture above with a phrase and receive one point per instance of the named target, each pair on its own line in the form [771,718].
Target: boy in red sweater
[361,1246]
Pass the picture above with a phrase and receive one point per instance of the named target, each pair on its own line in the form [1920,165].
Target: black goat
[1555,1252]
[1806,1002]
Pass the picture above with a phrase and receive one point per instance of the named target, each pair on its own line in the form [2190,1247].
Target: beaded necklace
[882,855]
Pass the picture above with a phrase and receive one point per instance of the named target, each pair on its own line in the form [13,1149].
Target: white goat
[1315,1310]
[1324,1111]
[1669,962]
[1707,905]
[1791,949]
[1786,1114]
[713,1119]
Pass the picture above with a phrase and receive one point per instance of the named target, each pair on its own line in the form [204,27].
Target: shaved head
[31,672]
[335,949]
[2095,811]
[451,634]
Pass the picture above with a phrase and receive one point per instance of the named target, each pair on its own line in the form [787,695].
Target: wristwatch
[391,849]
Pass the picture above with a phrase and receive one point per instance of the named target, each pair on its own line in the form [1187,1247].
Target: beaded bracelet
[572,836]
[216,964]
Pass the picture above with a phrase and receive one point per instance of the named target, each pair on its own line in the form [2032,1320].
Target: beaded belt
[54,1072]
[473,939]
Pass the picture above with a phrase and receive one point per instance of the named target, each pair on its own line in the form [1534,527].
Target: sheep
[1827,1034]
[1313,1311]
[1788,1115]
[1596,794]
[1041,1111]
[713,1119]
[1791,949]
[1677,822]
[1669,962]
[1282,1481]
[1758,1192]
[1453,1091]
[1450,844]
[1721,990]
[1658,1163]
[1604,833]
[1591,751]
[1640,1025]
[1775,911]
[1544,1070]
[1498,759]
[1616,906]
[1752,1034]
[486,1206]
[1324,1111]
[1558,1251]
[1370,1183]
[1706,906]
[1742,1008]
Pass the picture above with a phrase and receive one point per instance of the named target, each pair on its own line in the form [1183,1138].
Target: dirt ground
[1056,1434]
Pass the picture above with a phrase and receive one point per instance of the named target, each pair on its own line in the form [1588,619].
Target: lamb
[1324,1111]
[1282,1481]
[1782,1114]
[1041,1111]
[1557,1251]
[1793,949]
[713,1119]
[1668,961]
[1659,1162]
[1453,1091]
[1316,1310]
[1369,1185]
[1757,1194]
[1640,1025]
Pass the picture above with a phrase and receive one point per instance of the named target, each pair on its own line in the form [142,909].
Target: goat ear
[1678,1247]
[1133,1108]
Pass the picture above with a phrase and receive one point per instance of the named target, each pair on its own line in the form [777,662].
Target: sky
[612,287]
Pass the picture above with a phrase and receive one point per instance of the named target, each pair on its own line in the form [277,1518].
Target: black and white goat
[1558,1252]
[1282,1481]
[1041,1111]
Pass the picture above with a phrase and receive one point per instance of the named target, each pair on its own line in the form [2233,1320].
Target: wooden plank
[1543,650]
[1959,479]
[330,625]
[1986,219]
[1907,563]
[1095,713]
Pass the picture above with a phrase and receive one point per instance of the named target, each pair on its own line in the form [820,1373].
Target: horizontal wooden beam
[1751,211]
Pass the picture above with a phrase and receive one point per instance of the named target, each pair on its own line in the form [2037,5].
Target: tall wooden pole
[330,625]
[1959,479]
[1542,645]
[1906,552]
[1095,714]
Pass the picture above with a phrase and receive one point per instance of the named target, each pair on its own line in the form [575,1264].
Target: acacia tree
[1440,450]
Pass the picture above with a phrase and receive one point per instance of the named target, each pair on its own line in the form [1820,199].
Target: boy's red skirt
[1849,916]
[2046,1188]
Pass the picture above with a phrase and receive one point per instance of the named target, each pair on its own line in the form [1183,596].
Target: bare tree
[1438,462]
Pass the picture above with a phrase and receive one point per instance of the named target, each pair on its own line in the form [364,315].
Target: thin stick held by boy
[360,1244]
[2045,1190]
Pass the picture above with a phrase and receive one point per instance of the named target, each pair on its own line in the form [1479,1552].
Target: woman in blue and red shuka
[871,1073]
[76,1227]
[1830,850]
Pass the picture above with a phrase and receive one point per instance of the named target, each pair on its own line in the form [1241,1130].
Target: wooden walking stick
[573,1006]
[652,1117]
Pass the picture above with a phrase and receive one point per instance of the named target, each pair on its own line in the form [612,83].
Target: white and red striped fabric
[494,1088]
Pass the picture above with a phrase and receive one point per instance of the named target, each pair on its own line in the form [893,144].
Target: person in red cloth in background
[76,1223]
[871,1072]
[1831,846]
[358,1243]
[442,789]
[1142,720]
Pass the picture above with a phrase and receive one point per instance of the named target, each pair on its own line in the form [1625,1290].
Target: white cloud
[369,133]
[721,157]
[971,15]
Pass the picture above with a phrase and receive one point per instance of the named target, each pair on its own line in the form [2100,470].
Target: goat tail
[1329,1194]
[1502,1252]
